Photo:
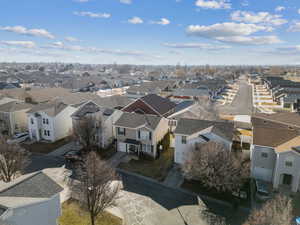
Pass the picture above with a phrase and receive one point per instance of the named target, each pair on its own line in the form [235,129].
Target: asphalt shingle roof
[191,126]
[134,120]
[39,185]
[160,104]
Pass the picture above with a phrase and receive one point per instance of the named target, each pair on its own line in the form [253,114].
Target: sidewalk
[174,177]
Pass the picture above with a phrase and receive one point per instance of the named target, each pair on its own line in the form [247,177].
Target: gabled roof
[36,185]
[14,106]
[287,118]
[159,104]
[271,133]
[192,126]
[51,109]
[134,120]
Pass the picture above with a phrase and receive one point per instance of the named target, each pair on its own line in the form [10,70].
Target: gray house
[140,133]
[32,199]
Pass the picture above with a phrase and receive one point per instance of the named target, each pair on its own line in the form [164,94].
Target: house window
[288,164]
[121,131]
[47,121]
[44,121]
[264,155]
[183,139]
[48,132]
[31,120]
[172,123]
[144,135]
[45,132]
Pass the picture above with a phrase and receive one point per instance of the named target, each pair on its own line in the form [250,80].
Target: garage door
[263,174]
[122,147]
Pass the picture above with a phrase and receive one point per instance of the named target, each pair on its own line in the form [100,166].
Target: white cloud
[93,15]
[295,27]
[126,1]
[24,44]
[260,17]
[225,29]
[298,11]
[203,46]
[162,21]
[71,39]
[251,40]
[279,8]
[94,50]
[135,20]
[213,4]
[31,32]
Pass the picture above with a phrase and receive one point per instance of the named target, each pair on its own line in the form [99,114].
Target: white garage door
[263,174]
[122,147]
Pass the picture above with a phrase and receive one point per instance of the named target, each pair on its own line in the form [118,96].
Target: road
[243,101]
[172,198]
[39,162]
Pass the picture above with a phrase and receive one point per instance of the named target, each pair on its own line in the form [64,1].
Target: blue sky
[190,32]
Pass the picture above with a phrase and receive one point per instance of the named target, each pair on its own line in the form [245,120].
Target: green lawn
[72,214]
[156,169]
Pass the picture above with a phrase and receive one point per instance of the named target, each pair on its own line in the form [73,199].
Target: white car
[18,138]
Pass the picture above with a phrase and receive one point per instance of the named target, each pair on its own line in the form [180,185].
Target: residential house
[191,131]
[13,117]
[140,133]
[32,199]
[275,151]
[152,104]
[51,121]
[161,87]
[106,116]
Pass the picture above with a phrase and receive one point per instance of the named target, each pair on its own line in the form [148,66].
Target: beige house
[139,134]
[13,117]
[275,151]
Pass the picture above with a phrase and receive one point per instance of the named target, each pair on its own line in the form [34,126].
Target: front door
[287,179]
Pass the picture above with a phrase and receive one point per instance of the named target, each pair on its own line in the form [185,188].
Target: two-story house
[275,151]
[106,116]
[13,117]
[191,131]
[140,133]
[32,199]
[50,121]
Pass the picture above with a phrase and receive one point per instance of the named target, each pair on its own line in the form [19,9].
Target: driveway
[39,162]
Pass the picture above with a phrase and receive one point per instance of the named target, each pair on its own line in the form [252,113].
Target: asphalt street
[171,198]
[242,103]
[39,162]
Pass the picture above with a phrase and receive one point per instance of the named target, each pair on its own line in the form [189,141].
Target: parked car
[263,190]
[18,138]
[73,156]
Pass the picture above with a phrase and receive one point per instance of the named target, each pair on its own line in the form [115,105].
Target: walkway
[174,177]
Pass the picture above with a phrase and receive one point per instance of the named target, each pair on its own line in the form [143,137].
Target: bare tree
[88,131]
[277,211]
[13,159]
[98,186]
[216,167]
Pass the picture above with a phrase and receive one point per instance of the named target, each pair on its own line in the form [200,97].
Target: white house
[32,199]
[275,153]
[50,122]
[106,116]
[191,131]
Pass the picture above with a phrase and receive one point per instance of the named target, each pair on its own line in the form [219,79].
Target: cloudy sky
[191,32]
